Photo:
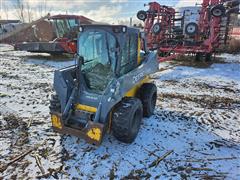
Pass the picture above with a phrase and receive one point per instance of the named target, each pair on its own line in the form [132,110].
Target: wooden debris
[157,161]
[38,161]
[4,167]
[211,159]
[218,159]
[151,152]
[51,172]
[29,122]
[205,176]
[199,169]
[112,173]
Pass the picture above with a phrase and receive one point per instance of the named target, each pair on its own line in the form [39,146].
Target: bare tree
[26,13]
[5,9]
[20,10]
[29,12]
[42,9]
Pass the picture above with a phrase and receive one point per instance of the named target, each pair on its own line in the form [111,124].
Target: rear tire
[148,96]
[55,105]
[126,119]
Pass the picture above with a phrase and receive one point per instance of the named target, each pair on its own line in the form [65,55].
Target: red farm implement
[51,34]
[172,33]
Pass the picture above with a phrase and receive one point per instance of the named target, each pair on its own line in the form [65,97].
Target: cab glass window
[129,54]
[99,51]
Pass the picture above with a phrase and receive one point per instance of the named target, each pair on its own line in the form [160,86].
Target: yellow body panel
[139,48]
[94,133]
[132,92]
[56,121]
[86,108]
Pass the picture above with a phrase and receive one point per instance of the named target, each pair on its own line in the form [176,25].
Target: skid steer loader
[108,89]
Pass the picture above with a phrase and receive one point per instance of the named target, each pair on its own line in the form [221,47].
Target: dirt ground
[196,125]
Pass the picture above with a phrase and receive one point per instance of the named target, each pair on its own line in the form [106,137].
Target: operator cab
[108,52]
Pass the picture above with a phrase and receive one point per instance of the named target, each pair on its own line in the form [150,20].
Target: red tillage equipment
[158,20]
[172,35]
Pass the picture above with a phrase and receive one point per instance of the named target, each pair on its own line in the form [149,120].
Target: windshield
[63,26]
[98,48]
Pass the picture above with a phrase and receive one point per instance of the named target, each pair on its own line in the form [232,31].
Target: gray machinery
[109,88]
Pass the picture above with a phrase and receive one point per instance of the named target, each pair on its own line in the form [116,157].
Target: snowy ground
[196,122]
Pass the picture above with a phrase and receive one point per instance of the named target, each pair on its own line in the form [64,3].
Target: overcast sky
[102,10]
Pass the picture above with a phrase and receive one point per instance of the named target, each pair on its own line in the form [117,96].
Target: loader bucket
[92,132]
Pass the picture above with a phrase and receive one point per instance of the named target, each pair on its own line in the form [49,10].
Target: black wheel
[198,56]
[126,119]
[142,15]
[208,56]
[218,10]
[156,29]
[148,96]
[191,29]
[55,105]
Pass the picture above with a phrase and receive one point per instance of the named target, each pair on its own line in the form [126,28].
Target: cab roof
[120,28]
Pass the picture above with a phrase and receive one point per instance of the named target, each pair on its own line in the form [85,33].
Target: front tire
[148,96]
[126,119]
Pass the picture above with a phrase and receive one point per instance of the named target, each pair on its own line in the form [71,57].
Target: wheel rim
[191,29]
[156,28]
[141,16]
[217,12]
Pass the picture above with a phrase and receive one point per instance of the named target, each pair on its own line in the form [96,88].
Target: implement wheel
[127,119]
[198,56]
[55,105]
[208,57]
[142,15]
[191,29]
[218,10]
[156,29]
[148,96]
